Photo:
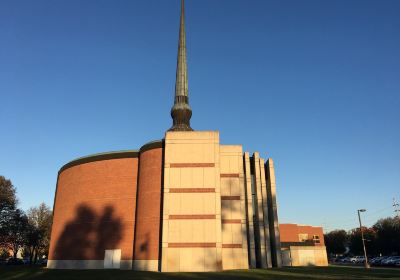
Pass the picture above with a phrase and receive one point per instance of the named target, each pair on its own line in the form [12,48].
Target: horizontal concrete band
[231,245]
[229,175]
[186,165]
[84,264]
[192,245]
[145,265]
[191,217]
[234,197]
[231,221]
[192,190]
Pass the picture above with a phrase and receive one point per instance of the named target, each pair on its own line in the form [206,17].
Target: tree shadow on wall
[88,235]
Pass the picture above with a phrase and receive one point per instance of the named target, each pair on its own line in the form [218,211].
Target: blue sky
[313,84]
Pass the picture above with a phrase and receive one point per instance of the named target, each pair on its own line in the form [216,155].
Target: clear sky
[313,84]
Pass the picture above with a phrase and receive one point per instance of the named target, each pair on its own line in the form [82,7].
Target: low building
[302,245]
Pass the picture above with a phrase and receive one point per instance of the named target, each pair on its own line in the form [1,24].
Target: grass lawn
[349,273]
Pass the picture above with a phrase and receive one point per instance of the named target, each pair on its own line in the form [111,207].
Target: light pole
[362,237]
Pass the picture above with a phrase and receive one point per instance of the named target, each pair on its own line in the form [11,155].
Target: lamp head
[362,210]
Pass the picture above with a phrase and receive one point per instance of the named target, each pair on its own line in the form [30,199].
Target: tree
[336,241]
[8,198]
[8,204]
[4,254]
[32,239]
[10,217]
[355,241]
[38,232]
[14,236]
[388,235]
[17,229]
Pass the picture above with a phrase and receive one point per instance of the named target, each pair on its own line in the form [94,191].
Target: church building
[182,203]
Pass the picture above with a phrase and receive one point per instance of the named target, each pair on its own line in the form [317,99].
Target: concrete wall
[191,238]
[306,256]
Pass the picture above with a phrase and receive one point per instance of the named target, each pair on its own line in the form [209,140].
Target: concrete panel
[173,260]
[212,259]
[174,178]
[209,178]
[225,186]
[75,264]
[211,233]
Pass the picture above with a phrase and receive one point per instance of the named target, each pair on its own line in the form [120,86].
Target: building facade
[303,245]
[183,203]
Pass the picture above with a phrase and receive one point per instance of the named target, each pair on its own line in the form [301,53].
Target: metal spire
[181,111]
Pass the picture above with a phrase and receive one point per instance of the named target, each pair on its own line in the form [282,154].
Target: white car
[357,259]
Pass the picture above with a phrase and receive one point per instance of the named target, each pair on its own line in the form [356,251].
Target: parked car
[379,262]
[376,260]
[383,262]
[390,261]
[356,259]
[341,259]
[360,260]
[3,261]
[346,260]
[13,261]
[397,264]
[394,260]
[43,262]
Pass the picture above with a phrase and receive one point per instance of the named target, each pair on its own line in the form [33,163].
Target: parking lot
[379,261]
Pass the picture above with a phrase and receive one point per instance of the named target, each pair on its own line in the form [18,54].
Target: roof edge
[113,155]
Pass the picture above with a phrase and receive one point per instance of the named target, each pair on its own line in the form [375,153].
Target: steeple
[181,111]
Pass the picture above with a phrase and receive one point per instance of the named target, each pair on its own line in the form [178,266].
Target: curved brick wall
[147,236]
[94,207]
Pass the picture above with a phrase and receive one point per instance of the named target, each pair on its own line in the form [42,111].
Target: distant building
[302,245]
[182,203]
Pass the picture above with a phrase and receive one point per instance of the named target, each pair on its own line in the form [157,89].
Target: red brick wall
[147,237]
[95,210]
[290,232]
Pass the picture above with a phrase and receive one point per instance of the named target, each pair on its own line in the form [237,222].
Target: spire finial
[181,111]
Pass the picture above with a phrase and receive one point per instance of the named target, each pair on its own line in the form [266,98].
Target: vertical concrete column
[265,213]
[239,156]
[249,211]
[260,212]
[217,265]
[273,210]
[234,237]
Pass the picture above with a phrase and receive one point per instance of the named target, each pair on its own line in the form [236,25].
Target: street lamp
[362,237]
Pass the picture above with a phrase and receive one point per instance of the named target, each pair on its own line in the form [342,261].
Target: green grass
[348,273]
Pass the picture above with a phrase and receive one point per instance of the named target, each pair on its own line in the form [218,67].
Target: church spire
[181,111]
